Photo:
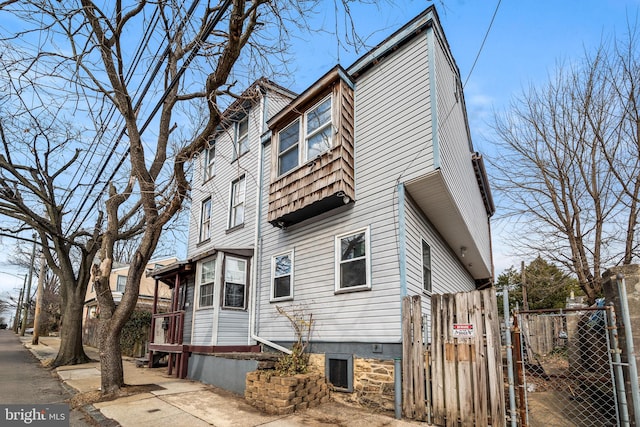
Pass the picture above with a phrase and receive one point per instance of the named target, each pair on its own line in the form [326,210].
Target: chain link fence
[565,368]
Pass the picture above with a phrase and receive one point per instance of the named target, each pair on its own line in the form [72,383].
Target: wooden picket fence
[459,381]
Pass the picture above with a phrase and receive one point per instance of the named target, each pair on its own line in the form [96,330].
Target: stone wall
[373,382]
[284,395]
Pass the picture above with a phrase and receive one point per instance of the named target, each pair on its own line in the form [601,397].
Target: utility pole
[16,319]
[525,299]
[27,296]
[37,315]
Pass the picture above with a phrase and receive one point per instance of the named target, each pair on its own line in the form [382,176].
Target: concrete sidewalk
[170,401]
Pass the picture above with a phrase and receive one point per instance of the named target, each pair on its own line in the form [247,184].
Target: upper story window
[314,128]
[209,162]
[236,210]
[205,220]
[353,261]
[426,267]
[121,283]
[207,279]
[242,136]
[282,276]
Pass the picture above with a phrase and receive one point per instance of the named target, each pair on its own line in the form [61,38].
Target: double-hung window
[282,276]
[209,162]
[121,283]
[207,280]
[314,128]
[426,267]
[236,211]
[353,261]
[205,220]
[242,136]
[235,283]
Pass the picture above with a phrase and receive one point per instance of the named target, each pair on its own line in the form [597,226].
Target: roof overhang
[433,197]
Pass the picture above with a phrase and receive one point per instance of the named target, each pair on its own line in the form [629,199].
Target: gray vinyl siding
[188,313]
[455,152]
[203,327]
[233,327]
[392,143]
[447,274]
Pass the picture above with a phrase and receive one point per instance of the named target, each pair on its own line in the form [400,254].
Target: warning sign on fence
[462,330]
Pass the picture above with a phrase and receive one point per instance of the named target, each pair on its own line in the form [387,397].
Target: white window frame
[205,220]
[339,262]
[304,135]
[275,275]
[121,278]
[209,162]
[241,139]
[223,304]
[210,282]
[237,201]
[426,290]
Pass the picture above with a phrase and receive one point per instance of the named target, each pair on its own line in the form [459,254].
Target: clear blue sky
[523,46]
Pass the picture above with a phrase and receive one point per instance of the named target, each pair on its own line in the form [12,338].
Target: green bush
[135,331]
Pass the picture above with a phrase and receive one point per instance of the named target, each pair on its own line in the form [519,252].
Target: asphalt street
[23,379]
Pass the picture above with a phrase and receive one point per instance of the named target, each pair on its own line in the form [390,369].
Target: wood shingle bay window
[312,152]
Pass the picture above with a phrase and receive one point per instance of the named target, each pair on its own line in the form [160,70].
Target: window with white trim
[209,162]
[316,131]
[121,283]
[242,136]
[282,276]
[235,283]
[207,281]
[205,220]
[426,266]
[236,213]
[353,261]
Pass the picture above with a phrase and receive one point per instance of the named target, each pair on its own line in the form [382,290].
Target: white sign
[463,330]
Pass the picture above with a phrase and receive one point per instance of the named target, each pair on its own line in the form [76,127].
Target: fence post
[633,368]
[517,344]
[507,336]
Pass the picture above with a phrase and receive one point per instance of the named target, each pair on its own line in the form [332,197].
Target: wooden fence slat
[420,409]
[437,373]
[450,365]
[479,365]
[407,370]
[495,376]
[464,386]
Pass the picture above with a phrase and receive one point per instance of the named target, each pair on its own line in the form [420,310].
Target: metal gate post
[622,409]
[517,344]
[633,369]
[507,337]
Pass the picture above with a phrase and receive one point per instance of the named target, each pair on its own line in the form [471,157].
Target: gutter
[257,253]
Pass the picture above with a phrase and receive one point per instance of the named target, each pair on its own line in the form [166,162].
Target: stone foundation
[284,395]
[373,383]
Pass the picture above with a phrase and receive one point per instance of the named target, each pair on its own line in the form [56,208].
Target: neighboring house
[117,282]
[338,202]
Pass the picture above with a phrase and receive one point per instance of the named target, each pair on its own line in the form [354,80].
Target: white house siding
[233,327]
[393,138]
[202,327]
[447,274]
[188,313]
[455,151]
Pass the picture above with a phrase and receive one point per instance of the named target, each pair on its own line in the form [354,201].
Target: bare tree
[195,57]
[568,164]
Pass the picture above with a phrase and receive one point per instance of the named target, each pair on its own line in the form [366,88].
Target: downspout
[402,264]
[257,243]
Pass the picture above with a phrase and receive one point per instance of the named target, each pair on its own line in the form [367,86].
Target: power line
[486,34]
[203,36]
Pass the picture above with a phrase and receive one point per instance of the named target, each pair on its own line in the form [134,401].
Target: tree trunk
[112,373]
[71,351]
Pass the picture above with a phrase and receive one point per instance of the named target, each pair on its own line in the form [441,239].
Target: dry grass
[95,396]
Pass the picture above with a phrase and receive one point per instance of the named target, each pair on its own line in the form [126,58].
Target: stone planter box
[277,395]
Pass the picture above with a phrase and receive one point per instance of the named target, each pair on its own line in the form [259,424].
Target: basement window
[339,371]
